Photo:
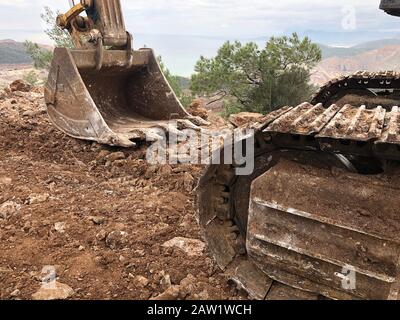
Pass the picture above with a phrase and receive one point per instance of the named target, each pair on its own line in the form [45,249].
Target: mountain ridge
[335,51]
[12,52]
[379,59]
[373,55]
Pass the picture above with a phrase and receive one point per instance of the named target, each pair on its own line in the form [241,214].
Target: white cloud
[219,19]
[13,3]
[213,17]
[20,19]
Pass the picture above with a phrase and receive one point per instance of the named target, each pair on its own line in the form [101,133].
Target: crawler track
[343,130]
[308,175]
[360,84]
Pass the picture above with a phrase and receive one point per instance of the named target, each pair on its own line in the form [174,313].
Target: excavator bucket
[127,100]
[391,7]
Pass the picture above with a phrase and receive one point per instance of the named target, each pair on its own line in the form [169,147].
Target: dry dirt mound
[102,217]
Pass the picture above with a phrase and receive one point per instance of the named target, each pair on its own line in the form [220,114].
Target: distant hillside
[329,51]
[12,52]
[382,58]
[349,38]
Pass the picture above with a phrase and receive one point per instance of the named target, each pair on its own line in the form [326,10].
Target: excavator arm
[64,20]
[103,90]
[103,24]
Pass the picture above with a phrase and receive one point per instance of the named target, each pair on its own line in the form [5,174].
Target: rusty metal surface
[261,287]
[361,80]
[105,91]
[124,102]
[248,277]
[388,145]
[306,232]
[86,59]
[305,119]
[270,117]
[391,130]
[301,235]
[311,218]
[225,237]
[353,123]
[103,27]
[64,20]
[110,22]
[347,130]
[279,292]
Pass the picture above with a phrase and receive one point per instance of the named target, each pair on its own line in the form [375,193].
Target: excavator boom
[103,90]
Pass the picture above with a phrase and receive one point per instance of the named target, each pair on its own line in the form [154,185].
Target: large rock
[116,240]
[188,181]
[8,209]
[20,85]
[196,108]
[245,118]
[16,293]
[102,235]
[172,293]
[191,247]
[38,198]
[141,281]
[97,220]
[60,227]
[184,289]
[58,291]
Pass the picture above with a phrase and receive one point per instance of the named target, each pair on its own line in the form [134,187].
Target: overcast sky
[182,30]
[19,19]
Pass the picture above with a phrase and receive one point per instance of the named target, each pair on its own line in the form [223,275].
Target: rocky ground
[103,221]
